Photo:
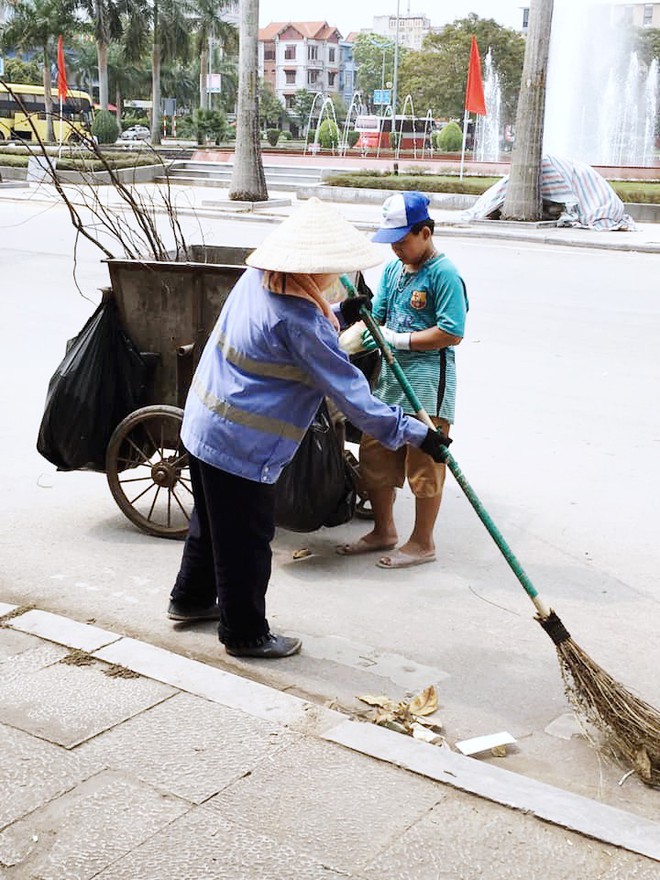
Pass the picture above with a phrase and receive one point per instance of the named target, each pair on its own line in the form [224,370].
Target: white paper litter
[484,743]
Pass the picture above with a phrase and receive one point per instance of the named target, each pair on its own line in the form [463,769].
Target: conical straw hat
[315,239]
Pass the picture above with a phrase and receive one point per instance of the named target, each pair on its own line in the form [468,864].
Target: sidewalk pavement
[206,202]
[122,760]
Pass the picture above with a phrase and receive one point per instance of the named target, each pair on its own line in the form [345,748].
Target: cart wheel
[147,470]
[363,508]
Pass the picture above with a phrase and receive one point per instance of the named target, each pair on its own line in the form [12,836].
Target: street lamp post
[396,66]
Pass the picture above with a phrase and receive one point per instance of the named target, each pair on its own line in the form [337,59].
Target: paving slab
[205,844]
[78,834]
[13,643]
[499,845]
[33,772]
[188,746]
[67,704]
[337,806]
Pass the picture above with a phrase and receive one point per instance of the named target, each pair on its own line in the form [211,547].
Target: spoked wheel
[147,470]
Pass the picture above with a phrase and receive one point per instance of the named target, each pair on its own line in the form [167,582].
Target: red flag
[62,86]
[474,93]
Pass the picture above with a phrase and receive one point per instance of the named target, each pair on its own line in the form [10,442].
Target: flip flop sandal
[404,560]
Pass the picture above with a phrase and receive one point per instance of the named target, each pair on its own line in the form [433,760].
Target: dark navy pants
[227,552]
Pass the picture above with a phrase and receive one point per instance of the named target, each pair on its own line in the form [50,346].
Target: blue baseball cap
[400,213]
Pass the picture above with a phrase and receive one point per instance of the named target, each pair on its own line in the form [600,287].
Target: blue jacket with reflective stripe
[265,369]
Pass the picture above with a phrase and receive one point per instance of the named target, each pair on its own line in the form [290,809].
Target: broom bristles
[631,726]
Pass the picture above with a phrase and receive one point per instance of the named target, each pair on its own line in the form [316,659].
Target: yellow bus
[16,122]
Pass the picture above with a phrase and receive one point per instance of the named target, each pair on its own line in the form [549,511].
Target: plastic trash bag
[100,381]
[316,488]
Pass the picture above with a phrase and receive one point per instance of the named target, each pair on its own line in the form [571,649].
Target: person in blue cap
[421,304]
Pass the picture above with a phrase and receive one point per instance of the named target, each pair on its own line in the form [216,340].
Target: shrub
[287,136]
[273,136]
[450,139]
[204,125]
[329,134]
[353,137]
[395,137]
[105,127]
[311,135]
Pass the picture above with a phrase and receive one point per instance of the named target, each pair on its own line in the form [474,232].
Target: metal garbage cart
[169,310]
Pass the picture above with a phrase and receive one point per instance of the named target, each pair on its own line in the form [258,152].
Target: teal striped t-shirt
[435,295]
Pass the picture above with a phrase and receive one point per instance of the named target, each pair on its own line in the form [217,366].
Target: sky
[353,15]
[349,15]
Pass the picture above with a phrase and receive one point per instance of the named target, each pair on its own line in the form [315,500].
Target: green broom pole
[448,458]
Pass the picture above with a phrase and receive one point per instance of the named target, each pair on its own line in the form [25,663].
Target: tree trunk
[203,71]
[523,193]
[248,181]
[155,80]
[102,54]
[48,98]
[118,100]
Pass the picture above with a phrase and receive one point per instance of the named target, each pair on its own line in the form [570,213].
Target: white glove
[400,341]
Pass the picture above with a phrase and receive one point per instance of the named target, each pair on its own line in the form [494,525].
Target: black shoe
[192,612]
[272,648]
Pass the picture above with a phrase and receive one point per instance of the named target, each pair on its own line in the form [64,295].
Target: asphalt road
[557,429]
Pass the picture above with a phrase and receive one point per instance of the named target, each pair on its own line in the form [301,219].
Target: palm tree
[209,24]
[248,180]
[523,193]
[36,25]
[125,78]
[166,25]
[84,65]
[107,25]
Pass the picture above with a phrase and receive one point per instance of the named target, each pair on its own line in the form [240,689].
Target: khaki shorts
[382,468]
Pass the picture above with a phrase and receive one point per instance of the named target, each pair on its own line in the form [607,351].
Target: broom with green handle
[631,726]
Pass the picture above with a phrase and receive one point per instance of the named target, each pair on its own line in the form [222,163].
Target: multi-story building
[297,55]
[412,28]
[347,70]
[643,14]
[637,14]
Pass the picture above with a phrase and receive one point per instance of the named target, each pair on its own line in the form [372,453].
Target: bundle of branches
[139,239]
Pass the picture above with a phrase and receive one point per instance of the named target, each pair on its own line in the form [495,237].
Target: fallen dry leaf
[424,703]
[380,700]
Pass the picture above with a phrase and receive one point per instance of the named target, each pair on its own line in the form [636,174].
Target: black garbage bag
[316,488]
[100,381]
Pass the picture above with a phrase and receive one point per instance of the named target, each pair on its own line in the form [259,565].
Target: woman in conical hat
[269,362]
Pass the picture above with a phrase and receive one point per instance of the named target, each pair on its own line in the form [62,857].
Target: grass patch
[437,183]
[647,192]
[82,164]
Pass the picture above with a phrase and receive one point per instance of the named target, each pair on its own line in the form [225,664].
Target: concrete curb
[550,804]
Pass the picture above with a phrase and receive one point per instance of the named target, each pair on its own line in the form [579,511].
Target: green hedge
[421,182]
[68,163]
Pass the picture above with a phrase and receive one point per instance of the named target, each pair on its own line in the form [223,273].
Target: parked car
[136,133]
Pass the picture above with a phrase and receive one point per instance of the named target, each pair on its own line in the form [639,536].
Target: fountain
[428,133]
[356,104]
[601,102]
[328,108]
[487,132]
[407,100]
[386,114]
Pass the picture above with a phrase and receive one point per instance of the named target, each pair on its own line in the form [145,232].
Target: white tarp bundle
[589,201]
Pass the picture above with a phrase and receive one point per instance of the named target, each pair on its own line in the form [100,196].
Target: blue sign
[382,96]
